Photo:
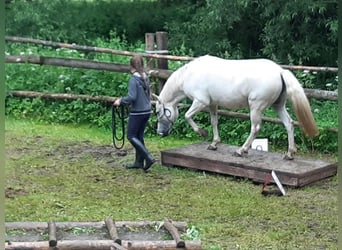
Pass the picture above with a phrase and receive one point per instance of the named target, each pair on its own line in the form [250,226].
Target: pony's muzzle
[163,130]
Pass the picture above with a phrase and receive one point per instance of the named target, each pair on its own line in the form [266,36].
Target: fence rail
[108,100]
[148,55]
[123,68]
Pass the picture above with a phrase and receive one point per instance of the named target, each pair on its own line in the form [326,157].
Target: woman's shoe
[133,166]
[149,163]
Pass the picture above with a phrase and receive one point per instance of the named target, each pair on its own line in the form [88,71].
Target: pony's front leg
[195,107]
[213,120]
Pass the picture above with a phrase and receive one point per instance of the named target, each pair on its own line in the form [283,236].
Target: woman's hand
[117,102]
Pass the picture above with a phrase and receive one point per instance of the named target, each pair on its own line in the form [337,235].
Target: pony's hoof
[236,154]
[211,147]
[288,158]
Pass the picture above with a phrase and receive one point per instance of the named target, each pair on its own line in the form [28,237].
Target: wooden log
[59,96]
[52,234]
[165,245]
[151,55]
[68,62]
[93,49]
[161,40]
[103,245]
[149,48]
[109,100]
[321,94]
[62,245]
[310,68]
[84,64]
[174,233]
[26,225]
[180,225]
[112,230]
[159,73]
[117,246]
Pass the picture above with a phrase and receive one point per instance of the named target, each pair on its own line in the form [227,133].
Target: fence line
[123,68]
[108,100]
[158,73]
[148,55]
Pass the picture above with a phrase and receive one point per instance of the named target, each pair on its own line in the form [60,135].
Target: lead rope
[120,113]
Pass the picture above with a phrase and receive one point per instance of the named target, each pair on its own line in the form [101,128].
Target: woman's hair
[138,64]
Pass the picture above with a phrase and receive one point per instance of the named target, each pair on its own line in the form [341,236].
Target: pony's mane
[172,85]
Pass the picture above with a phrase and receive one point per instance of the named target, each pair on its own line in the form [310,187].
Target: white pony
[255,84]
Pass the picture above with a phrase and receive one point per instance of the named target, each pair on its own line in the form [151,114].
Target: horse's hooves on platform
[288,158]
[237,154]
[211,147]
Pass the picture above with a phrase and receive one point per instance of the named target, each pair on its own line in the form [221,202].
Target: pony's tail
[300,103]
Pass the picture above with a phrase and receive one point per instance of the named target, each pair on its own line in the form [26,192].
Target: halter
[166,116]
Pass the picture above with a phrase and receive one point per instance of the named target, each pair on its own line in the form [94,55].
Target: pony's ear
[155,97]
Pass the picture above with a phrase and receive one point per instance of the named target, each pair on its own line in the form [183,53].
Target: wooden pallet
[257,165]
[46,235]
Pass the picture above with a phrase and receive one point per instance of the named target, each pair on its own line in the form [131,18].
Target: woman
[139,98]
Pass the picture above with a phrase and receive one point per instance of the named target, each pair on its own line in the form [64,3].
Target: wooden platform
[257,165]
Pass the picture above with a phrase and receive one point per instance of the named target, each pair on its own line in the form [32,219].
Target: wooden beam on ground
[174,233]
[52,234]
[112,230]
[28,225]
[168,244]
[102,245]
[62,245]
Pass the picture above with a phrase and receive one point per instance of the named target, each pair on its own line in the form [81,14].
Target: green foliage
[305,26]
[285,31]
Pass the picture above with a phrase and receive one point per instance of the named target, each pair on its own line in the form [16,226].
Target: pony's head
[166,113]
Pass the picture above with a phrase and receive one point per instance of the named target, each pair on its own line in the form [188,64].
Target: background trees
[291,31]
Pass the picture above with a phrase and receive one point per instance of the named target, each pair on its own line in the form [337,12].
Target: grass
[72,173]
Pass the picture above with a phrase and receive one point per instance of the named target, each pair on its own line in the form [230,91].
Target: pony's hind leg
[255,116]
[213,120]
[288,123]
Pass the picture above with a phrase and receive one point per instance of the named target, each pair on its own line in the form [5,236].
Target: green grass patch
[72,173]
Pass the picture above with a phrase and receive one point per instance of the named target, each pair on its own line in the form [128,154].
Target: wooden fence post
[162,44]
[149,48]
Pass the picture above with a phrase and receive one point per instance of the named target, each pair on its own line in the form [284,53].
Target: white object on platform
[260,144]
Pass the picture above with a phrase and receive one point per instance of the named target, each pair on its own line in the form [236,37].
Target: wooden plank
[174,233]
[29,225]
[62,245]
[112,230]
[257,165]
[52,234]
[165,245]
[103,245]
